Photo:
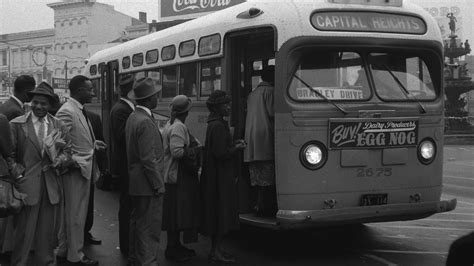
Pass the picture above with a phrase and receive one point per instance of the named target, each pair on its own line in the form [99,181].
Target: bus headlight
[313,155]
[426,151]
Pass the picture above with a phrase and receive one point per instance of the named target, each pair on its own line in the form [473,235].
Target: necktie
[41,131]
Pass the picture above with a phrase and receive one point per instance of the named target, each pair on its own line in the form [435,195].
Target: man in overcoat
[13,107]
[78,181]
[118,118]
[35,224]
[145,168]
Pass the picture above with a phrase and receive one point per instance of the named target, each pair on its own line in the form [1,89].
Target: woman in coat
[181,200]
[219,208]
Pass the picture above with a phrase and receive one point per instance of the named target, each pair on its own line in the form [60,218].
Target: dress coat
[27,152]
[11,109]
[219,205]
[36,223]
[144,154]
[77,181]
[119,165]
[5,144]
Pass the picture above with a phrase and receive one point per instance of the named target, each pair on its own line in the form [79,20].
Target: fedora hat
[143,88]
[218,97]
[181,104]
[44,89]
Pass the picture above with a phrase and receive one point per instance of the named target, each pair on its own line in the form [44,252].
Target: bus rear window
[338,76]
[401,77]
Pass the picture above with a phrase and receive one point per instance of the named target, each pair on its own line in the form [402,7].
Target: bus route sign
[367,22]
[357,133]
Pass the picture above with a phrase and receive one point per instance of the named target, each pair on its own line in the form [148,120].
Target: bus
[359,101]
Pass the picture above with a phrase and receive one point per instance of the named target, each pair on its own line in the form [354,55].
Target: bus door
[109,93]
[247,52]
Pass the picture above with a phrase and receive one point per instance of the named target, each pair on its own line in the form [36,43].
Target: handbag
[11,200]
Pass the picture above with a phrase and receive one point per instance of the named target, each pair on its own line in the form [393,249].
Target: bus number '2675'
[374,172]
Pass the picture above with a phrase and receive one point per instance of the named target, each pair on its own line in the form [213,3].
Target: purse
[11,200]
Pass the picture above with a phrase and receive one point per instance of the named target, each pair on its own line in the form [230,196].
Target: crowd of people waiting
[52,154]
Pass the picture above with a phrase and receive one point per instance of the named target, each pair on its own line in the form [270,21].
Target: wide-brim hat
[43,89]
[218,97]
[181,104]
[143,88]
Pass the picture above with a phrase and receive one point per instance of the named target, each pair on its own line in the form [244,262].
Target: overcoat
[219,205]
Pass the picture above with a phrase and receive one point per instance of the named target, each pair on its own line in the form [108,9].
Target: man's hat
[143,88]
[181,104]
[218,97]
[43,89]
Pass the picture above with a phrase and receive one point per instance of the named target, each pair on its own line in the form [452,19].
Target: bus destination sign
[367,22]
[358,133]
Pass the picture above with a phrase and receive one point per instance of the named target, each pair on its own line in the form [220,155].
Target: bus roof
[290,18]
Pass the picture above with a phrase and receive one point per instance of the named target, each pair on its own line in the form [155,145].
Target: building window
[4,57]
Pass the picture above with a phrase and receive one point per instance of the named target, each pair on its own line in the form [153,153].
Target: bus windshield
[401,77]
[338,76]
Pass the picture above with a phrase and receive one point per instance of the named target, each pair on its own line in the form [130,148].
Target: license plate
[373,199]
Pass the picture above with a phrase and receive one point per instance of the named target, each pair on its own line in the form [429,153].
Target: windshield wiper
[404,89]
[321,95]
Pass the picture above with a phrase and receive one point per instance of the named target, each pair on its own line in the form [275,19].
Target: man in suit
[13,107]
[96,124]
[35,224]
[145,169]
[118,118]
[78,181]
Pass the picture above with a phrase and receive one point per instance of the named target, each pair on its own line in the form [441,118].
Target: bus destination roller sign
[367,22]
[372,133]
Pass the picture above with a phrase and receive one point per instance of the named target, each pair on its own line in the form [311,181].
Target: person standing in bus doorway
[77,182]
[118,118]
[145,169]
[219,208]
[15,106]
[260,151]
[35,224]
[181,201]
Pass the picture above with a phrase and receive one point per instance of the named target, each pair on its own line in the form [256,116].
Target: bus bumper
[382,213]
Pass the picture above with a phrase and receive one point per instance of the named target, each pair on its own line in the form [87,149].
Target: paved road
[420,242]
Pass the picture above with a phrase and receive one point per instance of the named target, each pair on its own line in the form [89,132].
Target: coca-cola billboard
[178,8]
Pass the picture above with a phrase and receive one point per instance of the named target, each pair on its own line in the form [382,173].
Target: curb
[459,139]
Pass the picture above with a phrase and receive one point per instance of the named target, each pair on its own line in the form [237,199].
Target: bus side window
[188,79]
[155,75]
[210,76]
[170,83]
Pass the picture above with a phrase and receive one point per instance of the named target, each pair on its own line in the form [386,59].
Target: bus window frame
[152,61]
[137,60]
[182,44]
[126,62]
[211,52]
[165,49]
[297,59]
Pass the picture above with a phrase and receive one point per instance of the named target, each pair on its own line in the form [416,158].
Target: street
[419,242]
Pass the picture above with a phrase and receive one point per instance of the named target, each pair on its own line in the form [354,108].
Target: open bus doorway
[249,52]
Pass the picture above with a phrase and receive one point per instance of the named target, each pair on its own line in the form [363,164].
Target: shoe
[220,258]
[60,259]
[187,251]
[176,254]
[90,240]
[85,261]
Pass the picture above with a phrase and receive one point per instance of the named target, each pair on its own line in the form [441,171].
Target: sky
[28,15]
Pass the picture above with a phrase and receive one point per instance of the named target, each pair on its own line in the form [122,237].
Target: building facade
[59,53]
